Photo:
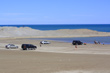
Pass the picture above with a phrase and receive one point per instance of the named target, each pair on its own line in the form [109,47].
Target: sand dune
[29,32]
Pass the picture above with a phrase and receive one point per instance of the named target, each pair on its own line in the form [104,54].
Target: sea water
[97,27]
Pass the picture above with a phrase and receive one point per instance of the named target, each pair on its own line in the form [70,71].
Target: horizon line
[54,24]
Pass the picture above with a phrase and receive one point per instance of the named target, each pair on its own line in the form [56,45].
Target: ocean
[96,27]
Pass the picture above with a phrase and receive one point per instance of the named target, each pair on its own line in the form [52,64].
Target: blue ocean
[96,27]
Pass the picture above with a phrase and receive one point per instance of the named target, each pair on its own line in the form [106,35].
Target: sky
[54,11]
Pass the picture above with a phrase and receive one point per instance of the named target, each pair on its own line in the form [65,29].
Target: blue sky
[54,11]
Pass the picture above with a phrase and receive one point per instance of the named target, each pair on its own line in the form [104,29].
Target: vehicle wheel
[76,43]
[24,48]
[7,48]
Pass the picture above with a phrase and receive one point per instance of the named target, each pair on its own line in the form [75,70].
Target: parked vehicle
[77,42]
[12,46]
[28,47]
[44,42]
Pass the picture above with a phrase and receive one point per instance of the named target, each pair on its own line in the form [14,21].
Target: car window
[12,45]
[31,45]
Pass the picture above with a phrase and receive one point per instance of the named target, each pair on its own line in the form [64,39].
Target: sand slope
[29,32]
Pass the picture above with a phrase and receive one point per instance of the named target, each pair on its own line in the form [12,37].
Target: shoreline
[64,39]
[51,37]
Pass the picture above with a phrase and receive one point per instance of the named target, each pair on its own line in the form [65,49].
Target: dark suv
[28,47]
[77,42]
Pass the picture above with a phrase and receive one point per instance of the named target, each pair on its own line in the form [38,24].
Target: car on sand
[11,46]
[44,42]
[28,47]
[77,42]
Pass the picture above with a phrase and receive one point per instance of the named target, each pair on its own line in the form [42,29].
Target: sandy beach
[54,36]
[57,57]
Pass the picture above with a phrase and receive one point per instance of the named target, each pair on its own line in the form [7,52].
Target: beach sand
[57,57]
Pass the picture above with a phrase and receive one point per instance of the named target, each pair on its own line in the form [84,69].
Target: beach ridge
[27,32]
